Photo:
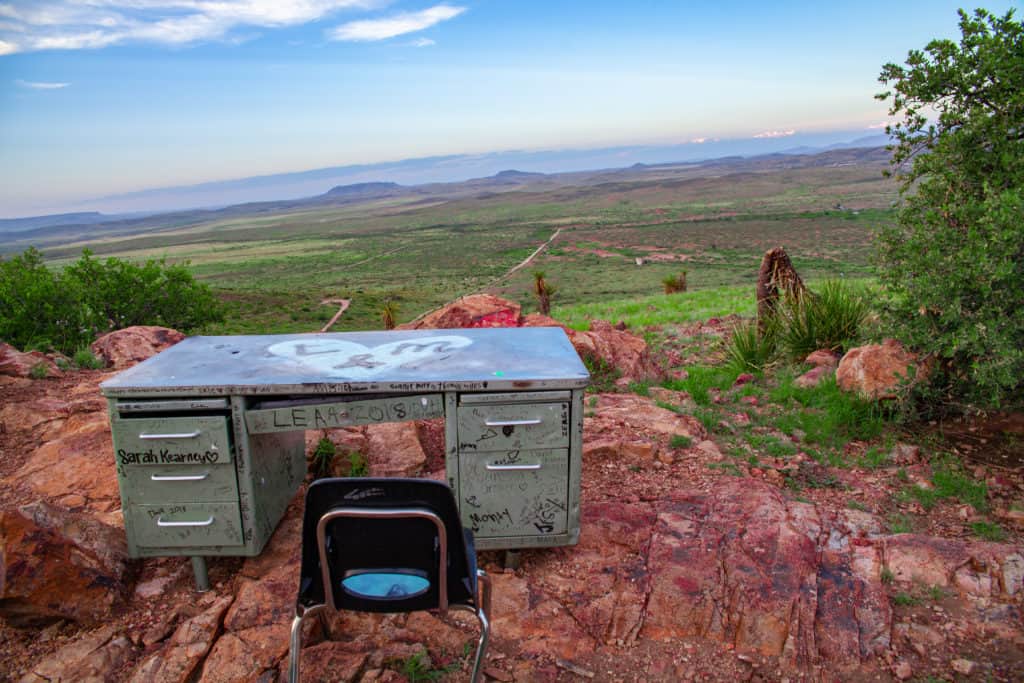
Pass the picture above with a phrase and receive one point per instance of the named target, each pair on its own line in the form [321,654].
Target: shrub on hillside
[954,262]
[830,318]
[674,283]
[66,310]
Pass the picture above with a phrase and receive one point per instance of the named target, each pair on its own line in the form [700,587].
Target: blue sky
[107,96]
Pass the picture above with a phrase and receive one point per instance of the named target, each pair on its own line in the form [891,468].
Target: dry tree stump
[776,275]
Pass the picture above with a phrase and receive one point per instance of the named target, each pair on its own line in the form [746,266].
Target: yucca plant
[675,283]
[544,291]
[751,349]
[829,319]
[388,314]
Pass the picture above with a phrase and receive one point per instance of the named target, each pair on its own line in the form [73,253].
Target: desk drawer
[162,441]
[185,524]
[515,493]
[181,483]
[524,426]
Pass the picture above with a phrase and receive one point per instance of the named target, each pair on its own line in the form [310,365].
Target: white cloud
[422,42]
[776,134]
[41,85]
[395,25]
[698,141]
[83,24]
[879,125]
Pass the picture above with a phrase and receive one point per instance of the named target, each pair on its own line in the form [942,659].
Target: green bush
[39,371]
[954,262]
[66,310]
[84,358]
[830,318]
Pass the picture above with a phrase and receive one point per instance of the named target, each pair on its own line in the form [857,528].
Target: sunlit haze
[113,96]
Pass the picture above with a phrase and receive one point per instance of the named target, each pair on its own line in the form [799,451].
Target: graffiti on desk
[504,495]
[339,357]
[491,520]
[165,456]
[543,513]
[344,413]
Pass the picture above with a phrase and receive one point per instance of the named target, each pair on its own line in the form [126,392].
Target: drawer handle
[188,435]
[513,423]
[160,522]
[179,477]
[512,468]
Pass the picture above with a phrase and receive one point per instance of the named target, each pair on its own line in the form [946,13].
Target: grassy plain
[714,221]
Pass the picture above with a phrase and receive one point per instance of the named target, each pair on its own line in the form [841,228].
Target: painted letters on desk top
[337,357]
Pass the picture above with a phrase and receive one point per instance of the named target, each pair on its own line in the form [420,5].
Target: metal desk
[209,435]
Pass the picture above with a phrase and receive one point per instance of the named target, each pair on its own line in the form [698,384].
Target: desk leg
[202,578]
[512,559]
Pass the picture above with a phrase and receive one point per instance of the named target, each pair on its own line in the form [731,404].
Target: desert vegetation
[66,309]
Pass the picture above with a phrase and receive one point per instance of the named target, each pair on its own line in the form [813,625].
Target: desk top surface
[526,358]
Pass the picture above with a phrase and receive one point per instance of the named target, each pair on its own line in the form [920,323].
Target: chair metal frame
[482,598]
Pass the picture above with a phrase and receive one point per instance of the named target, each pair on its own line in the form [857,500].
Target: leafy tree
[66,310]
[954,261]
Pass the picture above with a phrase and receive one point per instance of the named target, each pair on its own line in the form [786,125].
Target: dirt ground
[991,451]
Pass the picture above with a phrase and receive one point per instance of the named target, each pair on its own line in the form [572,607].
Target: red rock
[813,377]
[475,310]
[79,462]
[744,378]
[180,658]
[822,358]
[94,657]
[327,662]
[243,655]
[537,621]
[124,348]
[877,371]
[59,565]
[641,416]
[394,450]
[624,351]
[27,416]
[14,363]
[975,569]
[270,600]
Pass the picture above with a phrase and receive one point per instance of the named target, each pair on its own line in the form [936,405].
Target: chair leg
[295,650]
[483,612]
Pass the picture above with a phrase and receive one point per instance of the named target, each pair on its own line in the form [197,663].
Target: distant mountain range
[344,184]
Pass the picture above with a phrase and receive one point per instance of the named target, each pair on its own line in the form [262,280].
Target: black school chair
[386,545]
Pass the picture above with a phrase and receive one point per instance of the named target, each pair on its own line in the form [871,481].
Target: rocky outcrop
[822,358]
[475,310]
[91,658]
[124,348]
[59,565]
[394,450]
[76,468]
[877,371]
[184,652]
[633,429]
[14,363]
[813,377]
[603,343]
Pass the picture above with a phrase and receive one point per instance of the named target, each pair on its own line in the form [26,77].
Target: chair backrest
[383,541]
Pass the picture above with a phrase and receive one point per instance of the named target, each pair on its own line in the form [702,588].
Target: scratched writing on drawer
[165,456]
[318,417]
[172,510]
[499,519]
